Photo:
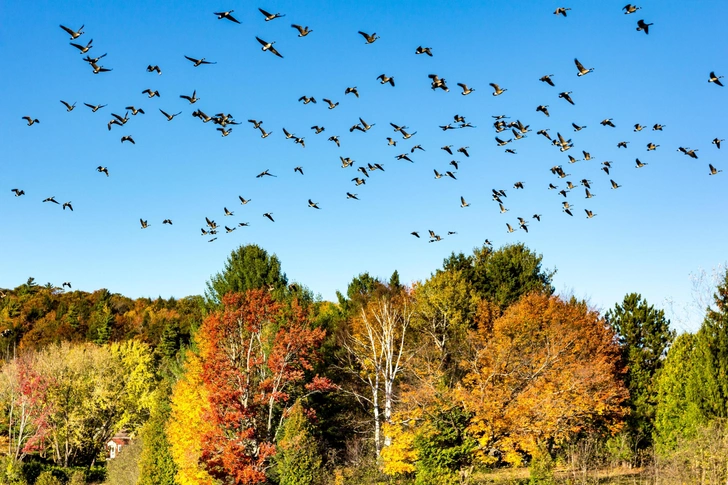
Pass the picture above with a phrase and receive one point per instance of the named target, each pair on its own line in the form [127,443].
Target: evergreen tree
[156,466]
[247,267]
[298,459]
[644,337]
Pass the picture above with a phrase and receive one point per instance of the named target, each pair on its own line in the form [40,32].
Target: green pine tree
[298,459]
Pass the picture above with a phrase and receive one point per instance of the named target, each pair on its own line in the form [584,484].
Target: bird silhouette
[226,15]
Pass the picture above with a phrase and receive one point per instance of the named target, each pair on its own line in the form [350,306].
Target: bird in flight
[582,70]
[713,170]
[331,104]
[629,8]
[268,46]
[243,200]
[463,203]
[349,195]
[198,62]
[352,90]
[607,122]
[169,116]
[69,107]
[227,15]
[264,173]
[386,79]
[30,120]
[561,11]
[269,16]
[95,108]
[167,221]
[497,91]
[299,170]
[18,192]
[715,79]
[128,138]
[151,93]
[269,215]
[313,204]
[466,90]
[153,68]
[302,31]
[369,38]
[192,99]
[75,34]
[51,199]
[83,48]
[543,108]
[67,204]
[101,169]
[547,79]
[716,142]
[424,50]
[144,223]
[565,95]
[642,25]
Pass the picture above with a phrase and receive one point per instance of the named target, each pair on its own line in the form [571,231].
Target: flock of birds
[507,132]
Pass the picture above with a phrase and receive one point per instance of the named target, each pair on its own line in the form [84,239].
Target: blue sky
[664,223]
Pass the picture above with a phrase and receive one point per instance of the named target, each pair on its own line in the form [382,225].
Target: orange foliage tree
[258,358]
[544,370]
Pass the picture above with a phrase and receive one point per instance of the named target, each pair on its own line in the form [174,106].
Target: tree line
[480,366]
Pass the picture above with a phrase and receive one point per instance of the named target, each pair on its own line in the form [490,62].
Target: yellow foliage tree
[545,370]
[187,424]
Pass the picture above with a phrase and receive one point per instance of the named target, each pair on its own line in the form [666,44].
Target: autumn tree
[189,421]
[156,465]
[248,267]
[258,359]
[546,370]
[644,337]
[377,353]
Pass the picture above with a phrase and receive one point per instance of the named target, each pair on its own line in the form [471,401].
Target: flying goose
[243,200]
[95,108]
[97,69]
[307,100]
[318,129]
[144,223]
[466,90]
[101,169]
[651,146]
[358,181]
[268,46]
[622,144]
[264,173]
[713,170]
[18,192]
[151,93]
[67,204]
[352,90]
[300,141]
[95,60]
[198,62]
[224,132]
[424,50]
[331,104]
[638,127]
[629,8]
[128,138]
[463,203]
[75,34]
[83,49]
[510,229]
[582,70]
[227,212]
[302,31]
[561,11]
[226,15]
[313,204]
[639,164]
[716,141]
[642,25]
[263,133]
[589,214]
[497,91]
[69,107]
[615,185]
[134,111]
[192,99]
[51,199]
[298,169]
[715,79]
[167,221]
[589,195]
[169,117]
[565,95]
[607,122]
[543,108]
[153,68]
[386,79]
[349,195]
[544,133]
[547,79]
[335,139]
[31,120]
[268,16]
[366,126]
[369,38]
[415,234]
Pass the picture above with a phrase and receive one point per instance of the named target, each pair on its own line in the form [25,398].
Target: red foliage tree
[259,355]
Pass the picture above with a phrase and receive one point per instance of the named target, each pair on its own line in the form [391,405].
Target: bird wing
[495,86]
[191,59]
[230,17]
[262,42]
[579,65]
[274,51]
[267,15]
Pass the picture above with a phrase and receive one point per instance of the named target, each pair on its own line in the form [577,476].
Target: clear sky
[665,222]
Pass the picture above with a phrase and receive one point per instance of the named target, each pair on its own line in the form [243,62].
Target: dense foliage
[478,367]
